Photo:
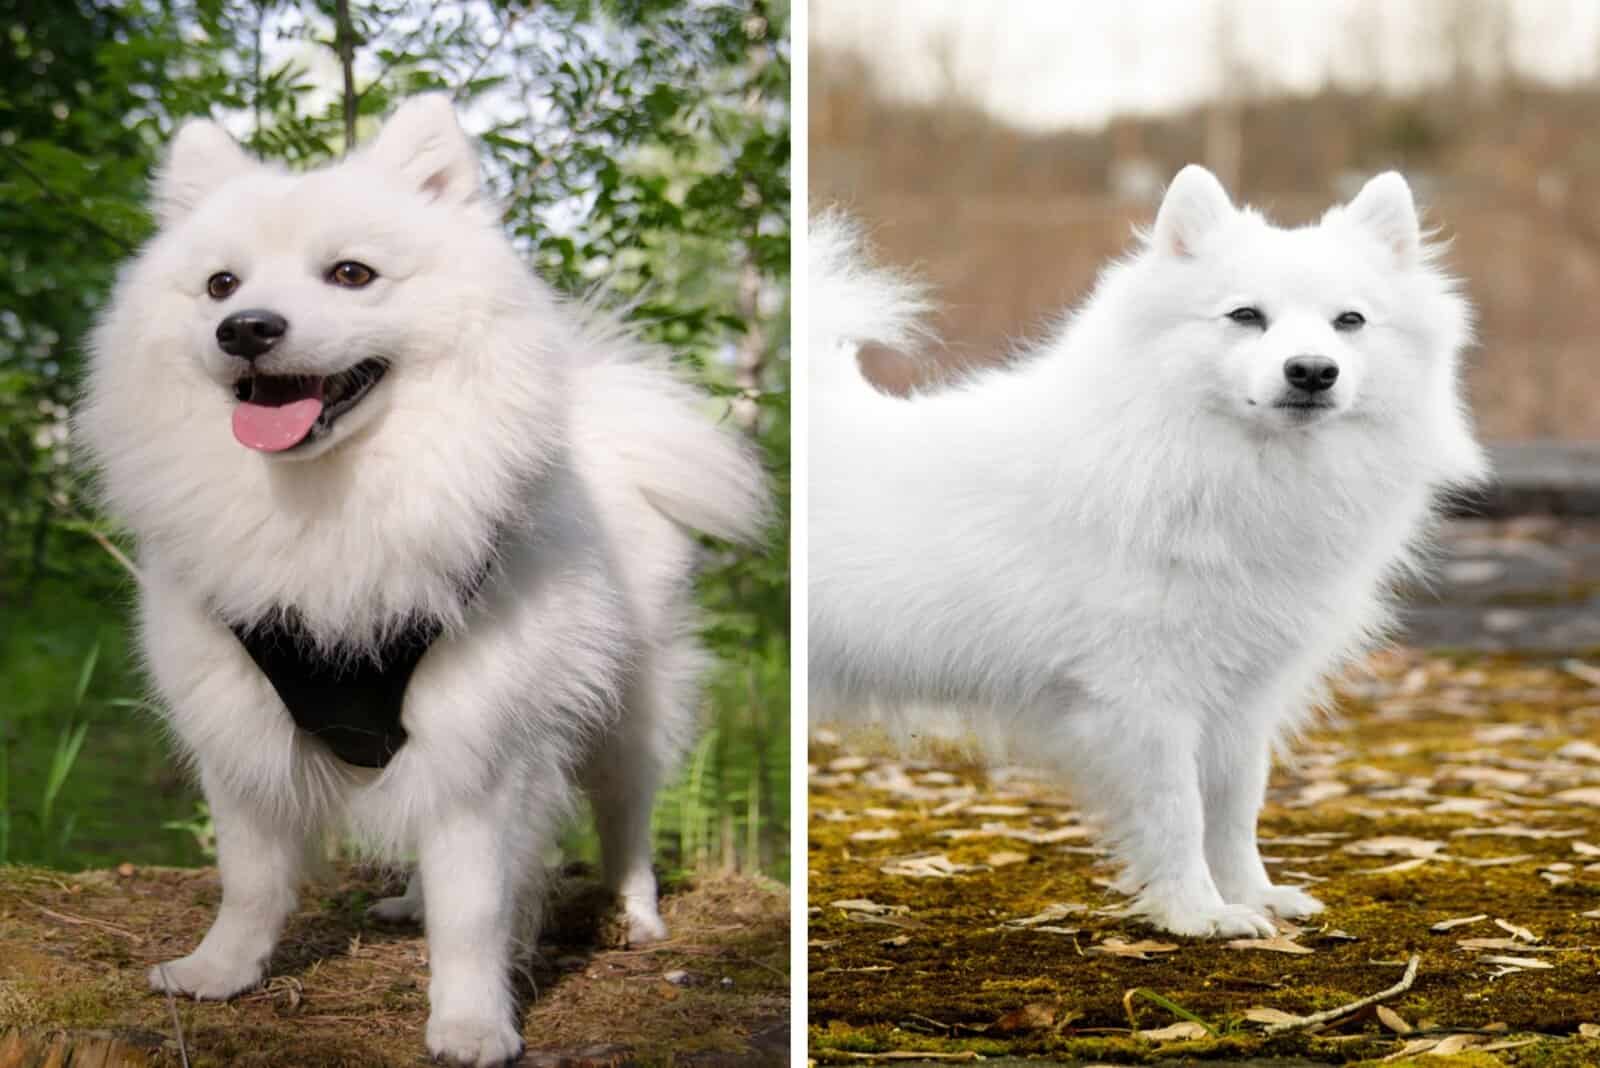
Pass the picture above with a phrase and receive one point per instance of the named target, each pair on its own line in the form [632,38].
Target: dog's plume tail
[654,427]
[853,301]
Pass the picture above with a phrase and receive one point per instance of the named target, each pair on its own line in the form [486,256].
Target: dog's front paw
[479,1041]
[1209,920]
[644,925]
[1287,902]
[204,977]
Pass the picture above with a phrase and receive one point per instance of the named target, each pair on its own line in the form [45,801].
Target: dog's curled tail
[664,436]
[854,301]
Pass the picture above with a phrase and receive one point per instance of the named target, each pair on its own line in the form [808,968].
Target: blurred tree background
[639,148]
[1056,129]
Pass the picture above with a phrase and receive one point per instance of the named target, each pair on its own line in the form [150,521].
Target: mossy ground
[349,992]
[1465,756]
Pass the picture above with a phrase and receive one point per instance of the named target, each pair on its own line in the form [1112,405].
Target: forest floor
[347,991]
[1450,811]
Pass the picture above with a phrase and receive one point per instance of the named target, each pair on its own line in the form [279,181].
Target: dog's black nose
[251,332]
[1311,373]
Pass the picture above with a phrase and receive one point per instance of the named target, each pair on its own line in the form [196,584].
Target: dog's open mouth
[281,412]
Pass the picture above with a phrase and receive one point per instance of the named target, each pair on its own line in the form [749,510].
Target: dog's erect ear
[1195,204]
[201,159]
[424,144]
[1384,208]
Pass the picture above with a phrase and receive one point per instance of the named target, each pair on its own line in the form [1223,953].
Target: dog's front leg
[261,858]
[1234,769]
[1140,772]
[473,861]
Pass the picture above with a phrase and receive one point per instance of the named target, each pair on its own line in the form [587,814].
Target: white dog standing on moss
[1142,547]
[416,546]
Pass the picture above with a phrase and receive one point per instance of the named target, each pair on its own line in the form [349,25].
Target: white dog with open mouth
[1139,550]
[416,543]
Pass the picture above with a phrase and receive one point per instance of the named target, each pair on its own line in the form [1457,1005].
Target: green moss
[959,979]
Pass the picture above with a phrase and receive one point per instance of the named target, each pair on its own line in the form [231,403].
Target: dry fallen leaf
[1393,1020]
[1412,1048]
[1578,669]
[1049,914]
[1514,830]
[1453,1044]
[1579,750]
[1276,944]
[1394,846]
[1117,947]
[1178,1032]
[1489,943]
[1518,962]
[1460,921]
[877,834]
[1583,795]
[1589,1030]
[1462,806]
[1491,862]
[997,810]
[1263,1015]
[1034,1016]
[1397,867]
[1516,932]
[861,904]
[1318,792]
[934,866]
[1506,780]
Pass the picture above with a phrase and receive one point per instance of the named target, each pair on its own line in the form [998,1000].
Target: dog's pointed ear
[201,158]
[1195,205]
[424,144]
[1385,209]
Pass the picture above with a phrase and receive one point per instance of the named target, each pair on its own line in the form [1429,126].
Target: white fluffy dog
[1141,548]
[416,546]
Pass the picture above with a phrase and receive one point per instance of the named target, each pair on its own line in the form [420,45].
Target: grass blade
[85,674]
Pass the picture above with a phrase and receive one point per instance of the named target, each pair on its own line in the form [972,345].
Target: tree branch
[1301,1022]
[344,43]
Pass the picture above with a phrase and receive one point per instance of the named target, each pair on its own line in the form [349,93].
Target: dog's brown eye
[351,274]
[1248,316]
[222,284]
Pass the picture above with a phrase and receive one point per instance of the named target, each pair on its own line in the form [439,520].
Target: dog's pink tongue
[279,414]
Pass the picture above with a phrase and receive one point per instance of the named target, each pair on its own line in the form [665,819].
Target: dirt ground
[346,991]
[1452,813]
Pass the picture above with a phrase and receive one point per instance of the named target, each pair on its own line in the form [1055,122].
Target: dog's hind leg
[622,779]
[405,908]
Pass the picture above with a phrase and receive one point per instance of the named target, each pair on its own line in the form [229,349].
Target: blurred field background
[1008,158]
[638,148]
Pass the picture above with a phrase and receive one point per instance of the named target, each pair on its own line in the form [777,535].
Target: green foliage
[639,147]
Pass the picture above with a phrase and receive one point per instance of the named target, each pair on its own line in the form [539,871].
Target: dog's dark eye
[1350,321]
[351,275]
[222,284]
[1248,316]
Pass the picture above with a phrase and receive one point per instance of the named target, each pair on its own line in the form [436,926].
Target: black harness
[349,700]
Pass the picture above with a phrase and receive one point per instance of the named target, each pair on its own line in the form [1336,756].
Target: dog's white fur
[505,410]
[1115,547]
